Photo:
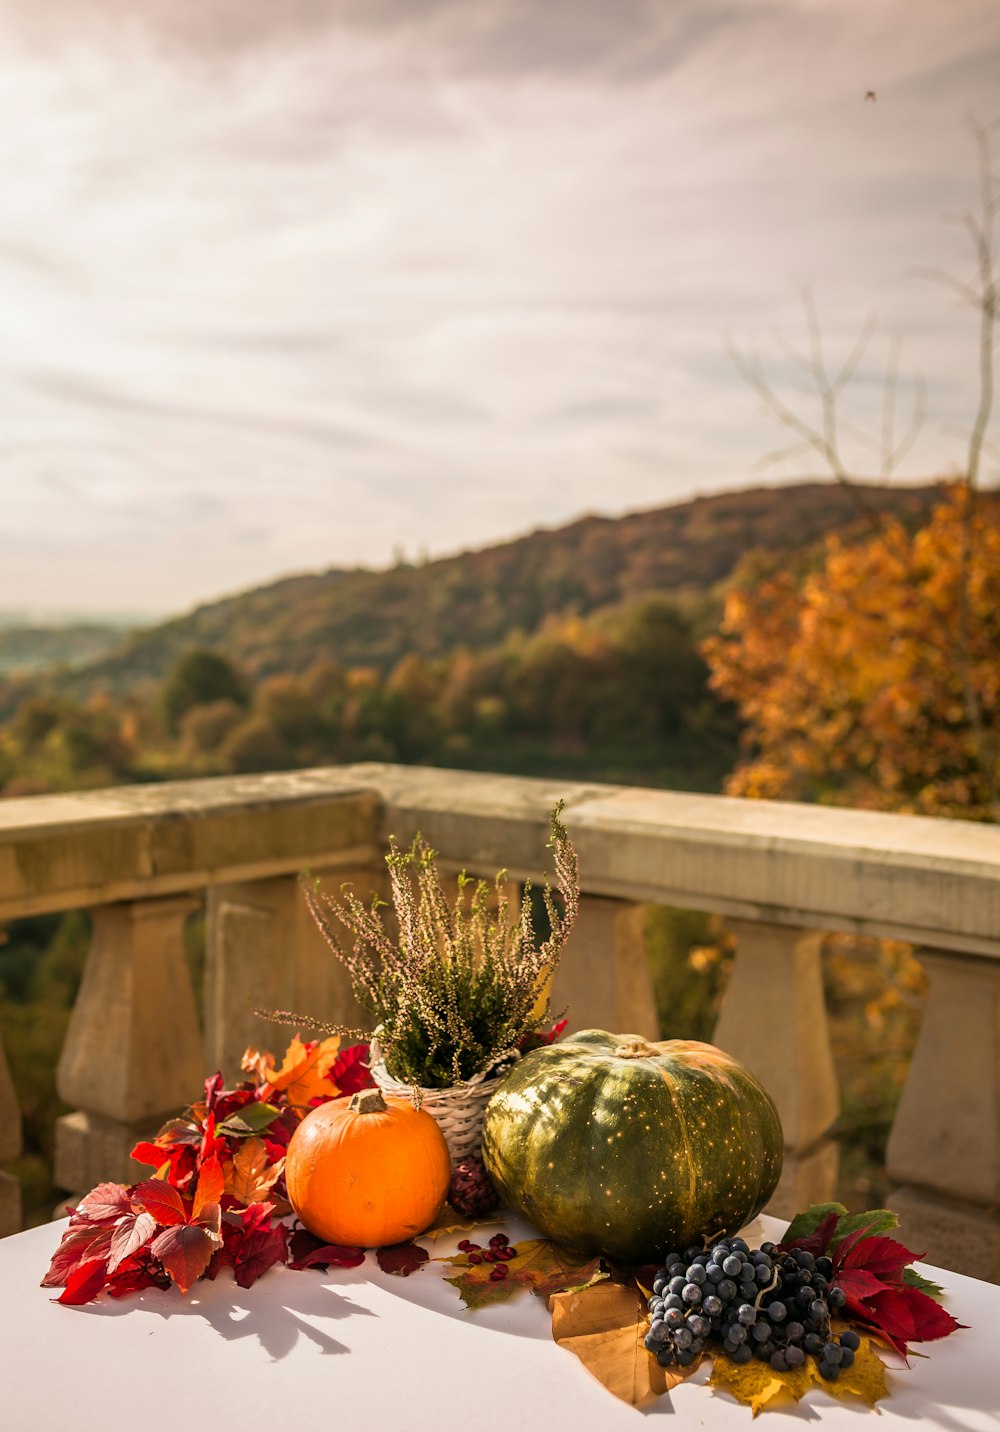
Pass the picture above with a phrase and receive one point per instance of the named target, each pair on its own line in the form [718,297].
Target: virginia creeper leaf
[104,1203]
[130,1233]
[78,1245]
[184,1250]
[402,1258]
[308,1251]
[160,1199]
[84,1284]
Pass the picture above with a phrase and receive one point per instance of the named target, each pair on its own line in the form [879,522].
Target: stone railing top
[936,882]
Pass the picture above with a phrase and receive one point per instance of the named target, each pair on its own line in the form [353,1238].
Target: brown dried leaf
[757,1385]
[604,1326]
[538,1265]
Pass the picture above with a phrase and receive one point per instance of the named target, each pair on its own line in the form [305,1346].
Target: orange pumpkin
[367,1171]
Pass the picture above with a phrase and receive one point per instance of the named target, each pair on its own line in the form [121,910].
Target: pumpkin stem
[368,1101]
[636,1049]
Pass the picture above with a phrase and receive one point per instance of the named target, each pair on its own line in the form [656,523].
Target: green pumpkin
[611,1145]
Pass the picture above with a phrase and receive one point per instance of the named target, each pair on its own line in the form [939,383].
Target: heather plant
[461,986]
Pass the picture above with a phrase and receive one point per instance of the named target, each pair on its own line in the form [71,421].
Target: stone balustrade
[141,859]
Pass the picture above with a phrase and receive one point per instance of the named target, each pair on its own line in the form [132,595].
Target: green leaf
[917,1280]
[251,1119]
[805,1224]
[873,1221]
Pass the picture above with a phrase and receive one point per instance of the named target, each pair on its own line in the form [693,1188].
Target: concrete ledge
[933,882]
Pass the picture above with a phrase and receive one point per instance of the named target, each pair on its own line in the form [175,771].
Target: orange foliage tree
[874,680]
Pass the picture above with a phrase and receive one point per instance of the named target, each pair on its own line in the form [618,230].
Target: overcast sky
[294,285]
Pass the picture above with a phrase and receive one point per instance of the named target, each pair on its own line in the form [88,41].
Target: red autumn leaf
[211,1182]
[79,1245]
[401,1259]
[146,1152]
[104,1203]
[859,1283]
[350,1072]
[184,1250]
[213,1088]
[160,1199]
[308,1251]
[882,1257]
[140,1271]
[210,1145]
[129,1235]
[819,1241]
[85,1283]
[259,1250]
[930,1320]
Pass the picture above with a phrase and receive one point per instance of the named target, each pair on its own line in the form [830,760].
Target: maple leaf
[604,1326]
[538,1265]
[402,1259]
[84,1284]
[250,1174]
[308,1251]
[757,1385]
[79,1245]
[302,1075]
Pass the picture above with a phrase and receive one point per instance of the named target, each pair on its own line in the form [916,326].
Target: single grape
[659,1283]
[671,1258]
[817,1310]
[833,1352]
[777,1312]
[732,1265]
[794,1332]
[691,1293]
[737,1333]
[696,1273]
[650,1343]
[673,1300]
[697,1346]
[804,1297]
[778,1361]
[757,1257]
[747,1314]
[850,1339]
[698,1325]
[820,1283]
[715,1273]
[794,1356]
[677,1269]
[804,1258]
[836,1297]
[812,1342]
[712,1305]
[824,1265]
[683,1338]
[676,1285]
[739,1245]
[760,1332]
[764,1274]
[665,1356]
[690,1254]
[743,1354]
[769,1248]
[846,1358]
[673,1317]
[686,1358]
[829,1370]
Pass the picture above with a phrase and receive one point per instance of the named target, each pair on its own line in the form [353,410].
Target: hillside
[24,649]
[373,618]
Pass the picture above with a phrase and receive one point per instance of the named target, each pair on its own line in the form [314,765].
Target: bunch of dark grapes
[758,1303]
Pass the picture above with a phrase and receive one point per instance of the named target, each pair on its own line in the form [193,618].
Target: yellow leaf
[757,1385]
[604,1326]
[250,1175]
[448,1221]
[256,1062]
[302,1076]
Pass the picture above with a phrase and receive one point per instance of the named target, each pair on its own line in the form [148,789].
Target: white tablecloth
[361,1350]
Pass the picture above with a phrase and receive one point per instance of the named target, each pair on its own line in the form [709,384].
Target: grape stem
[775,1280]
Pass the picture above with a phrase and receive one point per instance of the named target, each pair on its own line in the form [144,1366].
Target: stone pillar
[133,1052]
[773,1020]
[10,1147]
[603,979]
[944,1149]
[264,951]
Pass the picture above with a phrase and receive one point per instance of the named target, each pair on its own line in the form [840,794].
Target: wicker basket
[458,1110]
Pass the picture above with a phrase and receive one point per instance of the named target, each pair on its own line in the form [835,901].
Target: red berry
[498,1273]
[475,1257]
[465,1246]
[499,1240]
[506,1254]
[492,1256]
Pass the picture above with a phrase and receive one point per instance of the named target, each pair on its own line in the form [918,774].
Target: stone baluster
[603,979]
[133,1051]
[264,951]
[10,1147]
[944,1150]
[773,1019]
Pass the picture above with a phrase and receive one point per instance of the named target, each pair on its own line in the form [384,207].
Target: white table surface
[358,1349]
